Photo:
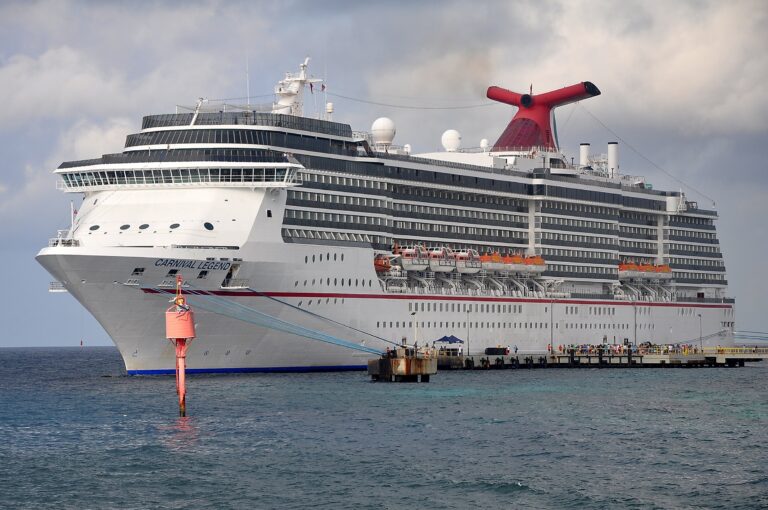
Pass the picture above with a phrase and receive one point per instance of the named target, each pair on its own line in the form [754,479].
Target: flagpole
[71,217]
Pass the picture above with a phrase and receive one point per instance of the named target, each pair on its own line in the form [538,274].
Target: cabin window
[207,225]
[94,227]
[143,226]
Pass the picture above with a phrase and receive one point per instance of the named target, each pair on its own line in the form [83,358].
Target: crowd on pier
[626,349]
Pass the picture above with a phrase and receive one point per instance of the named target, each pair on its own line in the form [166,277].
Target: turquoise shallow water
[614,438]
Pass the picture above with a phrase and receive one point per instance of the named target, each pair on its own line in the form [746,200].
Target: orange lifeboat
[535,264]
[492,261]
[381,263]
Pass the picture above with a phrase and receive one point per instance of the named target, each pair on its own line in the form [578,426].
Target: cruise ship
[305,245]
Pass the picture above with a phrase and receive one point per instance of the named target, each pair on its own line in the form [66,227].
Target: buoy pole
[181,368]
[180,330]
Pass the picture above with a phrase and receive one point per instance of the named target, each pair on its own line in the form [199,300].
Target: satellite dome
[451,140]
[383,131]
[484,144]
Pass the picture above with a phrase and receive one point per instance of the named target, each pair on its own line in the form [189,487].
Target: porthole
[208,225]
[335,282]
[313,259]
[125,227]
[94,227]
[306,259]
[174,225]
[342,257]
[334,257]
[143,226]
[321,257]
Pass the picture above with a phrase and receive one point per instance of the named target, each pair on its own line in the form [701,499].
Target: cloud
[83,139]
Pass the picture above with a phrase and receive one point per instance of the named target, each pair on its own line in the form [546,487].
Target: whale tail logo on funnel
[531,126]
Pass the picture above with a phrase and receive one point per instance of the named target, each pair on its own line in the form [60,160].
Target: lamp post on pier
[701,342]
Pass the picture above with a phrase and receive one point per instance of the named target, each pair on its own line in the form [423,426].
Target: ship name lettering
[210,265]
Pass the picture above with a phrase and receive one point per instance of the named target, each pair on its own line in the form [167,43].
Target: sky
[683,91]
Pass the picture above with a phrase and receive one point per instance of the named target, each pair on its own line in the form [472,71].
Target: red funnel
[530,127]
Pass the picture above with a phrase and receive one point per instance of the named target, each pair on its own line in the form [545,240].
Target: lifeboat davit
[413,259]
[441,260]
[492,262]
[467,262]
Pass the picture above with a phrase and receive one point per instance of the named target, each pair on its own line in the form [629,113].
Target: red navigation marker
[180,330]
[531,127]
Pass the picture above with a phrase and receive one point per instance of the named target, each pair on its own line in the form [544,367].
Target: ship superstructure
[339,231]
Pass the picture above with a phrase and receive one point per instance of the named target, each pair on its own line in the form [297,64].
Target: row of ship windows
[577,253]
[638,244]
[336,256]
[574,238]
[174,176]
[563,268]
[338,199]
[336,282]
[692,220]
[593,310]
[569,222]
[698,276]
[460,213]
[692,233]
[466,307]
[569,206]
[697,262]
[457,229]
[508,325]
[240,136]
[335,236]
[699,247]
[207,225]
[338,218]
[345,181]
[638,230]
[463,197]
[318,302]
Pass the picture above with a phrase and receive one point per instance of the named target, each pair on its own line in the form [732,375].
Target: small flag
[322,87]
[74,212]
[311,88]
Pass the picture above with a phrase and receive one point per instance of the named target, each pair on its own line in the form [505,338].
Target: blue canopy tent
[450,340]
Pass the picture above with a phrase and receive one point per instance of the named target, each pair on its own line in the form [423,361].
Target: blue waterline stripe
[332,368]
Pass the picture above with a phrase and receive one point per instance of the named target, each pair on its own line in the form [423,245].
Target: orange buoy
[180,330]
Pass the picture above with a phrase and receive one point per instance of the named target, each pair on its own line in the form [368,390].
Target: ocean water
[75,432]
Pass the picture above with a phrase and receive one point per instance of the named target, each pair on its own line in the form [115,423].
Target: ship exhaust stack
[584,155]
[531,126]
[180,330]
[613,158]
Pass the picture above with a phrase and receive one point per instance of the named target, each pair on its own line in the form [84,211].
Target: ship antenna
[247,81]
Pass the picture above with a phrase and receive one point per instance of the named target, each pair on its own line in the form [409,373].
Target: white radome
[383,131]
[451,140]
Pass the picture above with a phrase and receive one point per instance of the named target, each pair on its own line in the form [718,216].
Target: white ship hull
[133,315]
[274,221]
